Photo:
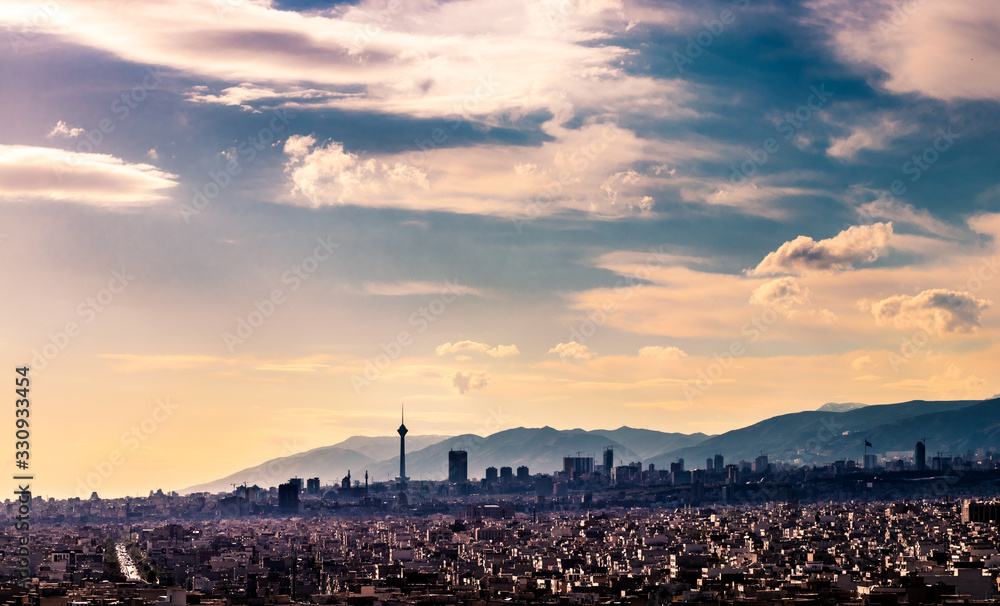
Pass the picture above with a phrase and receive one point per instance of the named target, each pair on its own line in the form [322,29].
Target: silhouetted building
[920,456]
[760,464]
[298,484]
[709,463]
[491,474]
[522,472]
[345,484]
[312,486]
[489,512]
[980,512]
[458,466]
[506,474]
[720,463]
[677,467]
[288,497]
[578,466]
[609,461]
[402,448]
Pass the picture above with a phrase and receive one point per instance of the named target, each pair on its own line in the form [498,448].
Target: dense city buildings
[185,550]
[888,531]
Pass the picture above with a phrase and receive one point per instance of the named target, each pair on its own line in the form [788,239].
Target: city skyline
[236,230]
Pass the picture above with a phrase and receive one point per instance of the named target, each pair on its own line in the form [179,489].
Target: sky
[232,230]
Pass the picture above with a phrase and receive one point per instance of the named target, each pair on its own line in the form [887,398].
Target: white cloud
[858,244]
[572,350]
[946,50]
[423,59]
[951,381]
[937,311]
[98,179]
[874,136]
[406,289]
[500,351]
[861,362]
[662,353]
[328,174]
[901,212]
[782,294]
[468,381]
[64,131]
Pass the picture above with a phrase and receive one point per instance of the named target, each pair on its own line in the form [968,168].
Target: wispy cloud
[47,173]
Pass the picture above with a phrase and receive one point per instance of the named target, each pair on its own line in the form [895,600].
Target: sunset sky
[233,230]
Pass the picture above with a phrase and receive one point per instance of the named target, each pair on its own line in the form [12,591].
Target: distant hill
[840,406]
[541,449]
[383,447]
[329,463]
[647,443]
[817,436]
[948,432]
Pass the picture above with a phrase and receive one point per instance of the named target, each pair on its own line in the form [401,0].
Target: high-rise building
[402,447]
[609,461]
[920,456]
[719,462]
[288,497]
[491,474]
[522,472]
[578,465]
[458,466]
[760,464]
[312,486]
[709,463]
[297,482]
[506,474]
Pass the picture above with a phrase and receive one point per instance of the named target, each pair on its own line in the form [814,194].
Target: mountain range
[835,431]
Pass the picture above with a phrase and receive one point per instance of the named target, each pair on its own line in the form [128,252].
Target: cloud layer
[855,245]
[44,173]
[938,311]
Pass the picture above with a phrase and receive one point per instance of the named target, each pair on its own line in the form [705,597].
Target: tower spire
[402,447]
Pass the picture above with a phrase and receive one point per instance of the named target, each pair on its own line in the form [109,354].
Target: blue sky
[577,213]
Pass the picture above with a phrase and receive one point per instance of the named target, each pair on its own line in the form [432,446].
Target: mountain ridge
[805,437]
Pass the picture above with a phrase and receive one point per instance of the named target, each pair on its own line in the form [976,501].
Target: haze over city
[238,230]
